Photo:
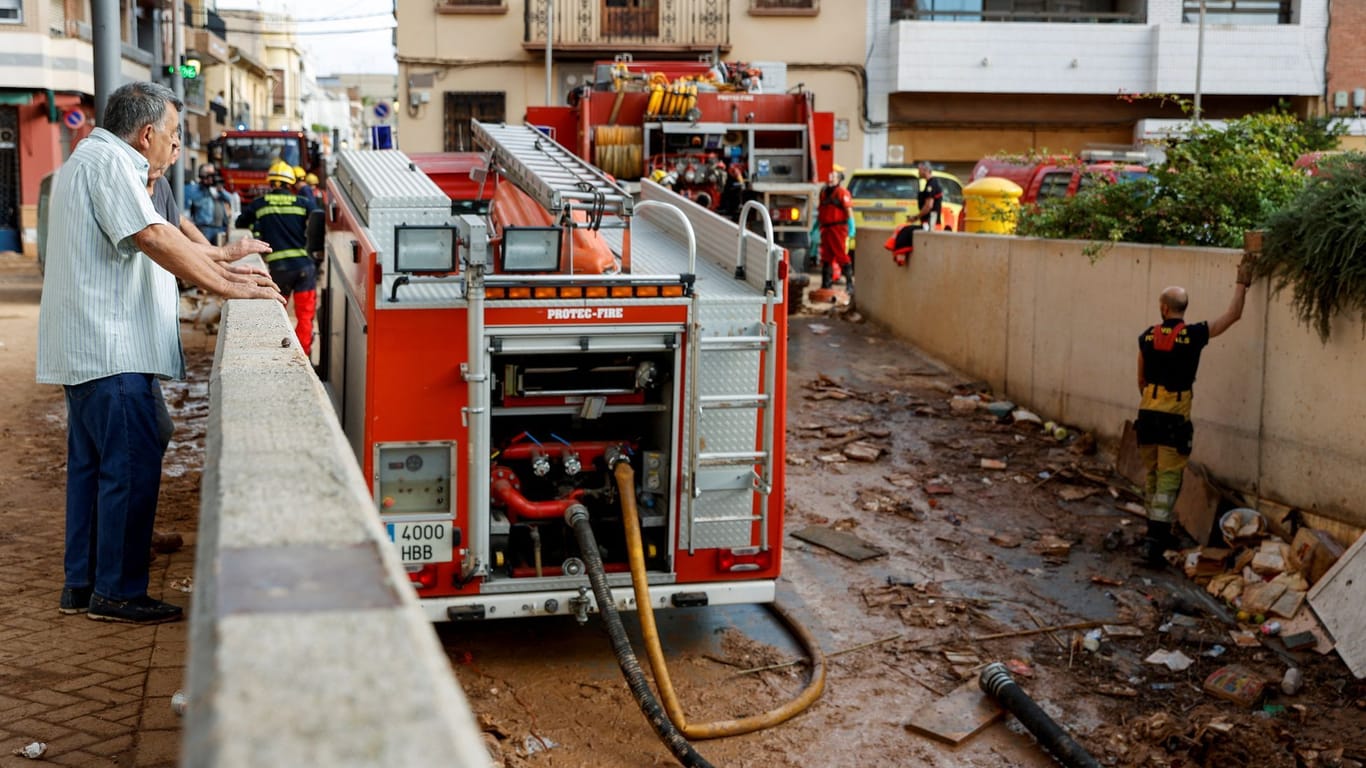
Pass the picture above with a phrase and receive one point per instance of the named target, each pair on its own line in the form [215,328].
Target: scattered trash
[937,489]
[819,329]
[1121,631]
[1292,681]
[845,544]
[993,464]
[1021,415]
[1000,408]
[1077,493]
[1242,524]
[1163,686]
[1235,684]
[533,744]
[1271,628]
[1299,641]
[1005,540]
[1091,640]
[1215,651]
[1018,667]
[961,404]
[1053,547]
[863,451]
[1176,661]
[179,703]
[185,584]
[33,751]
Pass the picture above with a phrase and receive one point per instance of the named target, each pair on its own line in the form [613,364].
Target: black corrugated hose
[577,517]
[996,682]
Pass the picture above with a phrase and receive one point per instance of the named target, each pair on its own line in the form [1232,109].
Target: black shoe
[75,600]
[1155,545]
[139,610]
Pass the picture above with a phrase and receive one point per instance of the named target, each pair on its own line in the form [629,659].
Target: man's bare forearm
[194,263]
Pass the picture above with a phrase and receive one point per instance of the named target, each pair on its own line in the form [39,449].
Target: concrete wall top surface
[307,645]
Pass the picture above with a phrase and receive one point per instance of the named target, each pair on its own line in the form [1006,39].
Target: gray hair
[136,105]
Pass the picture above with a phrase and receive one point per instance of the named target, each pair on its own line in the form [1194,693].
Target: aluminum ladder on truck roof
[557,178]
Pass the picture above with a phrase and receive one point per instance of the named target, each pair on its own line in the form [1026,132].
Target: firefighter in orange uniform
[834,219]
[1168,356]
[280,217]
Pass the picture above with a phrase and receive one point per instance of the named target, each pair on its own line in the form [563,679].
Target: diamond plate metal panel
[733,372]
[378,179]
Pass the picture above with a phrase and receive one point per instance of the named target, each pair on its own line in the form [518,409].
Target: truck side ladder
[733,378]
[555,177]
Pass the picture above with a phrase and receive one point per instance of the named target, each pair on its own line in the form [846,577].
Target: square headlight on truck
[425,250]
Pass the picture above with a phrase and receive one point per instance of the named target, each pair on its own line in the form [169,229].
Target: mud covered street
[986,541]
[970,553]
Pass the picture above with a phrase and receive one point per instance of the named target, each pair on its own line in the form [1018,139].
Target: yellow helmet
[299,173]
[311,178]
[281,172]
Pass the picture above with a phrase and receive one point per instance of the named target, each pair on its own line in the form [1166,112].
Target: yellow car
[886,197]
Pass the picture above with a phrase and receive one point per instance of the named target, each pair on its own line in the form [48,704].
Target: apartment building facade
[486,59]
[945,80]
[46,89]
[966,78]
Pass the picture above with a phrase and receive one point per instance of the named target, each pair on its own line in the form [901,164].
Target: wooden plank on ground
[842,543]
[957,716]
[1336,599]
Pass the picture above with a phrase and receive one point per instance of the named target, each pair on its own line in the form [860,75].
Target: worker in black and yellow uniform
[1168,356]
[280,217]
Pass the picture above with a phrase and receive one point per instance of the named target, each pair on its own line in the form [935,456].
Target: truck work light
[424,250]
[531,249]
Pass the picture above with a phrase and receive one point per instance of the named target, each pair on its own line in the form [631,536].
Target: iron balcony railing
[602,26]
[1056,11]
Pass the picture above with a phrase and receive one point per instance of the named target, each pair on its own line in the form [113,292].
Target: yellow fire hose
[815,686]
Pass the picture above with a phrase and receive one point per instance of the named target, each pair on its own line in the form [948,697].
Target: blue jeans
[114,449]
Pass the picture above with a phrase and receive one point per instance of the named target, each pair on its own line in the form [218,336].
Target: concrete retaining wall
[307,646]
[1053,331]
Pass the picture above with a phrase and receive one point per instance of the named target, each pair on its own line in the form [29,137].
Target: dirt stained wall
[1057,332]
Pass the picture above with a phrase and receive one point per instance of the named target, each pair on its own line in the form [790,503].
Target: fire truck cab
[244,157]
[490,370]
[705,130]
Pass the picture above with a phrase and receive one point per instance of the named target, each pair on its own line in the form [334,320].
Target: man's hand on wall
[1245,272]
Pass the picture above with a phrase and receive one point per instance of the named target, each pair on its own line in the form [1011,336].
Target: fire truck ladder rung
[723,343]
[749,400]
[732,458]
[554,176]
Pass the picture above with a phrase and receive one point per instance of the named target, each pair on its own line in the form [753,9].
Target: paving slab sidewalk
[97,693]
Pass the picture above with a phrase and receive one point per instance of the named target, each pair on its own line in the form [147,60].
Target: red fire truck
[706,131]
[244,157]
[574,352]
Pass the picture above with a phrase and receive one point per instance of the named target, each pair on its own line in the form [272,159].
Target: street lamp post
[549,36]
[1199,62]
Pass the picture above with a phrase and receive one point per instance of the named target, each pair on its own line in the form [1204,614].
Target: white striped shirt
[106,308]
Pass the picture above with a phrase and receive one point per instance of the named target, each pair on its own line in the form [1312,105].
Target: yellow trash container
[990,205]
